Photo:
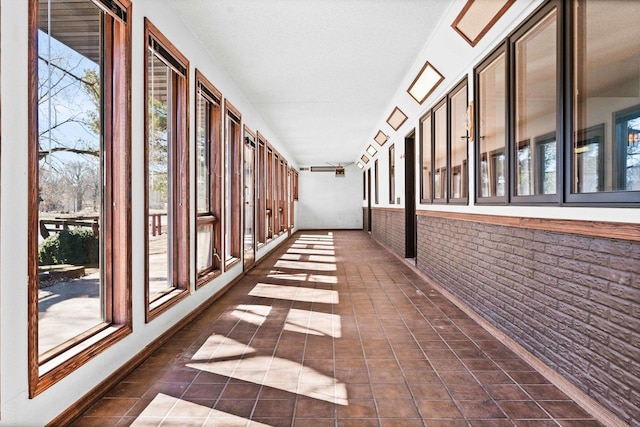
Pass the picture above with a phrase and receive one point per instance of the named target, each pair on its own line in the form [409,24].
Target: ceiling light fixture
[365,159]
[360,165]
[425,82]
[371,150]
[478,16]
[396,118]
[381,138]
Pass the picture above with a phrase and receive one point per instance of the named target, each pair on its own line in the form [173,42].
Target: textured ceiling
[320,72]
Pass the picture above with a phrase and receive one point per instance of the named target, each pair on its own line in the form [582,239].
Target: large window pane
[167,188]
[458,135]
[376,191]
[607,84]
[440,149]
[159,168]
[491,127]
[535,108]
[70,152]
[233,177]
[249,196]
[208,183]
[426,145]
[261,203]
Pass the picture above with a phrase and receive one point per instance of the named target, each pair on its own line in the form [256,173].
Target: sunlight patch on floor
[254,314]
[295,293]
[304,265]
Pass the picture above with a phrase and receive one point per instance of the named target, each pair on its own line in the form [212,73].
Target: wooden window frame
[116,105]
[179,155]
[277,194]
[233,146]
[261,188]
[294,196]
[284,195]
[213,99]
[249,142]
[269,192]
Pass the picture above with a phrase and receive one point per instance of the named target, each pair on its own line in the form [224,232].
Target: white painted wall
[329,202]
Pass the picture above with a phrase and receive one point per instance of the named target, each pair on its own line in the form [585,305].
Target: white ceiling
[320,72]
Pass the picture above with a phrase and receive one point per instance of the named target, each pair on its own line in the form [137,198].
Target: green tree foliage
[77,246]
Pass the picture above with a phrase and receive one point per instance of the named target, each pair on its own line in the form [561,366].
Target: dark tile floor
[333,330]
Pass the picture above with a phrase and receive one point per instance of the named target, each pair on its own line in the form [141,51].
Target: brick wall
[387,226]
[365,219]
[572,301]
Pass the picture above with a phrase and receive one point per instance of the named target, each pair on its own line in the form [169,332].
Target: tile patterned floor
[333,330]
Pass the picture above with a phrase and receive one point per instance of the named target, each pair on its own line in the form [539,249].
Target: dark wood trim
[486,28]
[158,36]
[200,78]
[229,106]
[609,230]
[32,216]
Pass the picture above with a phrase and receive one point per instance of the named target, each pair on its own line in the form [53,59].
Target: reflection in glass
[425,150]
[498,179]
[535,70]
[491,126]
[628,141]
[458,107]
[159,169]
[606,84]
[203,156]
[204,250]
[440,156]
[70,164]
[249,166]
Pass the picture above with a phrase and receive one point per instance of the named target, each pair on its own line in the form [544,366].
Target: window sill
[68,361]
[162,304]
[207,277]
